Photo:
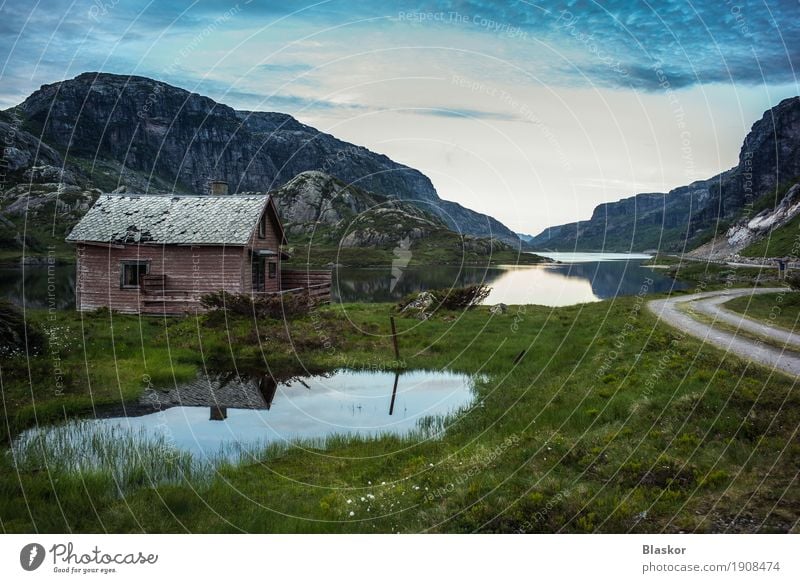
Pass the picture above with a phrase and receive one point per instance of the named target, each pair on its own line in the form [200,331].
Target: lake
[222,415]
[577,278]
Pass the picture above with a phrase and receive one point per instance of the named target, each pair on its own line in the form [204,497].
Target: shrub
[463,297]
[456,298]
[793,279]
[14,332]
[262,306]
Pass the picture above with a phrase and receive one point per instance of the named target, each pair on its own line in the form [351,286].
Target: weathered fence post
[394,392]
[394,338]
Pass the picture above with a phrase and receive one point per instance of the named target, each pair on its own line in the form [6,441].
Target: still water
[577,278]
[223,415]
[39,286]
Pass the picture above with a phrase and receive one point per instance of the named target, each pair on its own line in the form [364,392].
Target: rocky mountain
[688,216]
[343,223]
[315,204]
[770,233]
[327,219]
[137,128]
[40,199]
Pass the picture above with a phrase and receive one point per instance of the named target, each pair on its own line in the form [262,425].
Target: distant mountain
[315,204]
[524,238]
[144,133]
[689,216]
[328,220]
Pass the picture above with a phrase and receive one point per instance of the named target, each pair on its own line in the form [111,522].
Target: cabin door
[258,274]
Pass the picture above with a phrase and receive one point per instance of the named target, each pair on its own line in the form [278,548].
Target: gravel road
[673,312]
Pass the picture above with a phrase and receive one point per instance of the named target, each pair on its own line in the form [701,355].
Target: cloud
[616,43]
[463,113]
[285,68]
[697,42]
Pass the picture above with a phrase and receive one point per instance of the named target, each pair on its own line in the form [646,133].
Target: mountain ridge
[185,139]
[689,216]
[329,221]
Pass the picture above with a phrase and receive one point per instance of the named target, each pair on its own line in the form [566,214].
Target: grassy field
[777,309]
[609,422]
[714,275]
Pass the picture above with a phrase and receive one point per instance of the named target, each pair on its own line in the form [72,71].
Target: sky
[533,112]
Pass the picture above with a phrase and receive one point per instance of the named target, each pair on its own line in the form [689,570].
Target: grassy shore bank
[609,422]
[714,275]
[773,309]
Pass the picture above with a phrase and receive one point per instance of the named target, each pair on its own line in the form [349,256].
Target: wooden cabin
[158,254]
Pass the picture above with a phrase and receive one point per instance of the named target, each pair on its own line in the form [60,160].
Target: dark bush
[793,279]
[14,331]
[287,305]
[456,298]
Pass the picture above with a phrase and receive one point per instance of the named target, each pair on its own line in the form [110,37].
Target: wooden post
[394,392]
[519,357]
[394,338]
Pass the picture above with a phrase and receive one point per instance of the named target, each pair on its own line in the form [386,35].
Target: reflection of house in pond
[218,393]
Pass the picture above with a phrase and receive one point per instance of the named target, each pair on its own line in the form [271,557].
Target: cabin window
[273,270]
[131,273]
[262,227]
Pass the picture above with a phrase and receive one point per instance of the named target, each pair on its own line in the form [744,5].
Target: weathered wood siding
[316,281]
[179,275]
[303,278]
[191,272]
[270,242]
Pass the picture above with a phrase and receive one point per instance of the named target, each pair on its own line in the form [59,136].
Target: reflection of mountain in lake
[374,285]
[40,288]
[551,285]
[610,279]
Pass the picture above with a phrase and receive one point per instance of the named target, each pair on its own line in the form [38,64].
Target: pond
[224,415]
[577,278]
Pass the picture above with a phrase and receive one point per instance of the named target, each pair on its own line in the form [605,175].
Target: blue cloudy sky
[531,111]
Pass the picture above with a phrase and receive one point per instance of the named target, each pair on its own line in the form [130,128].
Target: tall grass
[130,459]
[122,457]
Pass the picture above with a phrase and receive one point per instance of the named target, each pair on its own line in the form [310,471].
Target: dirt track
[777,354]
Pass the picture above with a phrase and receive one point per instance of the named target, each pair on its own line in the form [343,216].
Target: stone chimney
[218,188]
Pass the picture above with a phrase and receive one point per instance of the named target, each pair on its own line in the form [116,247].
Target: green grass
[782,242]
[781,309]
[610,422]
[713,275]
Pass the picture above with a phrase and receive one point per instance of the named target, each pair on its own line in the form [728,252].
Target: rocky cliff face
[40,199]
[318,206]
[687,216]
[751,230]
[183,139]
[330,221]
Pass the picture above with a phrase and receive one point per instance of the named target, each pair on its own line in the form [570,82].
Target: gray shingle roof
[171,220]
